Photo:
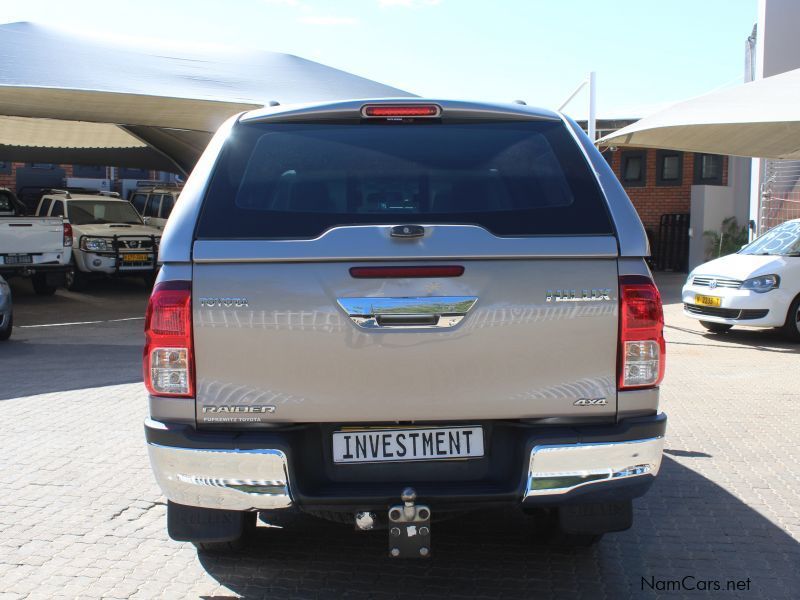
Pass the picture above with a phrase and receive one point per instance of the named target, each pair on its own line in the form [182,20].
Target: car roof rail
[109,194]
[59,191]
[154,183]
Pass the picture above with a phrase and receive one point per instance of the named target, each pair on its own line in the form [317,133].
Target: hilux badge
[593,295]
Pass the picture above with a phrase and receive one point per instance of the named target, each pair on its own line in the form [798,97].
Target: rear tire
[41,287]
[150,280]
[75,279]
[716,327]
[5,332]
[791,328]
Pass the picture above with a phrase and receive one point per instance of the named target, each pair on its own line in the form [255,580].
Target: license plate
[392,445]
[707,300]
[129,258]
[18,259]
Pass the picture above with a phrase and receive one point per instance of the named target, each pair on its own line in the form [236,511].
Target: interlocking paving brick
[81,516]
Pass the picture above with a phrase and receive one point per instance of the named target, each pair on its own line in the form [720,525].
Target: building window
[634,168]
[5,167]
[669,167]
[41,165]
[708,169]
[91,171]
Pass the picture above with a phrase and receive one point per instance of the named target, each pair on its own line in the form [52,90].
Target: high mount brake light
[399,272]
[401,110]
[641,333]
[168,360]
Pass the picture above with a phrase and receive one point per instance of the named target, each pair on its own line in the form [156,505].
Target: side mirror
[146,220]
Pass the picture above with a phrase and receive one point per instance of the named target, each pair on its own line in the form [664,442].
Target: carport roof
[171,98]
[760,118]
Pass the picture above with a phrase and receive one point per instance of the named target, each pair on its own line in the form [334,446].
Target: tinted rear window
[298,180]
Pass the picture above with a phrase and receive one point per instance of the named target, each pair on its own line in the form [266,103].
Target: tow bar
[409,528]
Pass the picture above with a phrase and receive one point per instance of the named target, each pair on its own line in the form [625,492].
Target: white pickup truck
[36,247]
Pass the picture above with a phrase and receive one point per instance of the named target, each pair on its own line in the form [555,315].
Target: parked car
[383,313]
[6,310]
[109,237]
[36,247]
[759,286]
[154,202]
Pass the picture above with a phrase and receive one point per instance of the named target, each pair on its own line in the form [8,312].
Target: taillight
[641,333]
[168,357]
[67,234]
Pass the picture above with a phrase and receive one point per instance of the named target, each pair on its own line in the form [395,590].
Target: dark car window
[151,210]
[44,207]
[138,202]
[95,212]
[167,204]
[58,209]
[298,180]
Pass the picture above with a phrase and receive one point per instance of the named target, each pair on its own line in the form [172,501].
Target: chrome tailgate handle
[426,312]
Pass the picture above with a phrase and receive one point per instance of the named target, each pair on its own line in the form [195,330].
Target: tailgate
[278,335]
[26,235]
[285,332]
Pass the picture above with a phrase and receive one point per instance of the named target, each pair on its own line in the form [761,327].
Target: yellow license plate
[707,300]
[129,258]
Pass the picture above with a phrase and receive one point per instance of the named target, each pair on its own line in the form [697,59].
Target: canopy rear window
[293,180]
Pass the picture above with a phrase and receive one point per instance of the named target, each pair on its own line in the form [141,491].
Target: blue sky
[647,53]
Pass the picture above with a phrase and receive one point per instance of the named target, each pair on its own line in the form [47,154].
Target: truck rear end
[33,246]
[385,312]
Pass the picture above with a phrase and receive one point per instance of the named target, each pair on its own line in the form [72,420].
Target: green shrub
[728,240]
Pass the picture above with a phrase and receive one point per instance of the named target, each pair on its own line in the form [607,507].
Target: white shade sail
[124,104]
[760,119]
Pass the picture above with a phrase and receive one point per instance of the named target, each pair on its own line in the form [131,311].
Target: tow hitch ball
[409,528]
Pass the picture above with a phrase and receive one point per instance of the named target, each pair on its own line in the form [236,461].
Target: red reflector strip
[407,110]
[396,272]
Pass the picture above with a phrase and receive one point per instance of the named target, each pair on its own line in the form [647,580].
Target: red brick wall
[652,200]
[9,180]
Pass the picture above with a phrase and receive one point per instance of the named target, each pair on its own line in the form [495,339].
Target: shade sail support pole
[593,106]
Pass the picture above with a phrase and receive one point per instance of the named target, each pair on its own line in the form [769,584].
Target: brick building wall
[653,199]
[8,175]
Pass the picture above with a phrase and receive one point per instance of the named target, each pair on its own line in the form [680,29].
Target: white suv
[109,236]
[155,203]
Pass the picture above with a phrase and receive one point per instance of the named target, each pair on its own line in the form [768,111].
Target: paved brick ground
[80,515]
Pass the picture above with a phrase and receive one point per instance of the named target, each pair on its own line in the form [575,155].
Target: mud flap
[595,519]
[204,525]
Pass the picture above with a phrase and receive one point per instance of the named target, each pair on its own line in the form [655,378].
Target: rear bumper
[525,464]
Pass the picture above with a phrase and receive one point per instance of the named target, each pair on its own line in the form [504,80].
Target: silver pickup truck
[386,313]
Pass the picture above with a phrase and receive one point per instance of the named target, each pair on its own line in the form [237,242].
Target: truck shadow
[29,367]
[687,526]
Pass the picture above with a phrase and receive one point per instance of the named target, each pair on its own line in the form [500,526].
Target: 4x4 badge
[590,402]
